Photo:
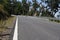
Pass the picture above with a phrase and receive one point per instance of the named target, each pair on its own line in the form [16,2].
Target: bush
[3,14]
[58,21]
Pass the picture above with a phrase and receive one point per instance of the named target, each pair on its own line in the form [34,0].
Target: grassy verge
[6,23]
[58,21]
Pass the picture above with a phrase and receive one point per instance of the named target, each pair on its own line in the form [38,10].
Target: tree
[3,12]
[7,6]
[25,7]
[53,5]
[18,8]
[35,5]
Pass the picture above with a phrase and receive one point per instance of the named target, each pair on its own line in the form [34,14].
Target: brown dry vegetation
[6,23]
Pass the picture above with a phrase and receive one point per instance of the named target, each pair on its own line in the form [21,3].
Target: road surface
[33,28]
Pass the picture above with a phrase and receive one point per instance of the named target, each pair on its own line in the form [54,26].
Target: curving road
[33,28]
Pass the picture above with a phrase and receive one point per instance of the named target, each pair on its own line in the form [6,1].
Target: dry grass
[6,23]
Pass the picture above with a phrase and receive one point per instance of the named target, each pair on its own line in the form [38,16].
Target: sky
[31,0]
[37,1]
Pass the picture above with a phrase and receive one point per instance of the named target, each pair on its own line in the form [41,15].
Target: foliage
[35,5]
[53,5]
[47,14]
[4,13]
[25,7]
[9,7]
[55,20]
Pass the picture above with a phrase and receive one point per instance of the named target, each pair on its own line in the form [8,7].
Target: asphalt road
[33,28]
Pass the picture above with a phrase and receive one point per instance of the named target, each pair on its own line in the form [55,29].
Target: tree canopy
[26,7]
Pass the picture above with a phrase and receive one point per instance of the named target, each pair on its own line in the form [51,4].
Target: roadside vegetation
[6,19]
[46,8]
[26,7]
[5,24]
[54,20]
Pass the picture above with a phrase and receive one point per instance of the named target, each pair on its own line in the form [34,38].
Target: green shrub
[58,21]
[3,14]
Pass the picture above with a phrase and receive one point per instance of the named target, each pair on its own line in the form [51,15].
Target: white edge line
[15,37]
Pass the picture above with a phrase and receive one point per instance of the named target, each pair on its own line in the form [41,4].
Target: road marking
[15,37]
